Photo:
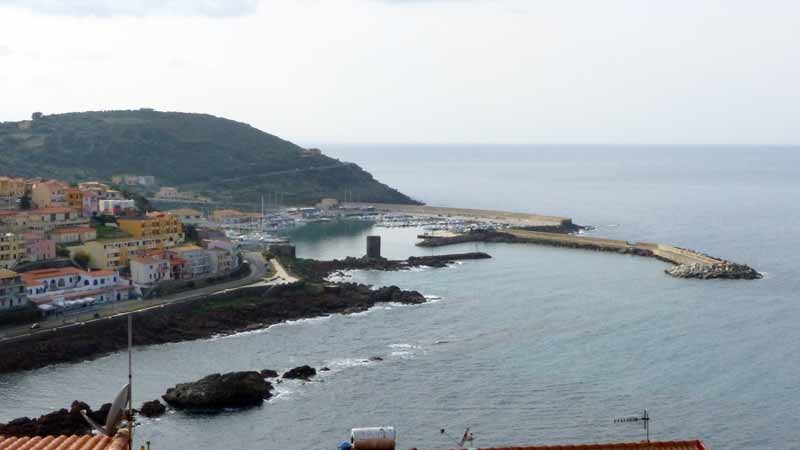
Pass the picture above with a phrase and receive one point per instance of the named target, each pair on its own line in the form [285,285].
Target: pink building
[91,203]
[38,247]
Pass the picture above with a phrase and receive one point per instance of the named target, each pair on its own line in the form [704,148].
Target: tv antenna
[123,399]
[645,419]
[466,437]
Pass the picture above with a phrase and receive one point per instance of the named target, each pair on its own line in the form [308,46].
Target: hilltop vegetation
[221,158]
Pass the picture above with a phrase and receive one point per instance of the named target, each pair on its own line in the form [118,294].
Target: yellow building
[11,189]
[154,224]
[113,254]
[49,194]
[12,250]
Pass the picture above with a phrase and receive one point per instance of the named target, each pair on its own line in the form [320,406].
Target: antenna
[645,419]
[123,397]
[466,437]
[130,380]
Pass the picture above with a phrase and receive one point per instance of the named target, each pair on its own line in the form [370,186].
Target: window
[94,283]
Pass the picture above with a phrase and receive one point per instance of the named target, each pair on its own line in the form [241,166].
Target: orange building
[154,224]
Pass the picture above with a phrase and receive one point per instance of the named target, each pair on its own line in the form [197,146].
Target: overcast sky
[501,71]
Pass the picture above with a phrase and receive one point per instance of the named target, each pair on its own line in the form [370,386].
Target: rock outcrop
[724,270]
[300,373]
[59,422]
[269,373]
[396,295]
[230,390]
[319,270]
[152,408]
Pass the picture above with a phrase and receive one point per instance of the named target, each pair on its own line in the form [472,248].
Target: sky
[432,71]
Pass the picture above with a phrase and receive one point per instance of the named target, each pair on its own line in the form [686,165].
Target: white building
[115,206]
[151,269]
[221,261]
[64,285]
[197,259]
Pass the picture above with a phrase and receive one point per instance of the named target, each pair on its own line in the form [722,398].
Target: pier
[668,253]
[686,263]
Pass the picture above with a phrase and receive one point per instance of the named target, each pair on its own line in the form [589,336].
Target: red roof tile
[100,442]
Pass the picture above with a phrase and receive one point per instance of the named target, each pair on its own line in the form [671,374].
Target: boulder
[269,373]
[325,369]
[152,408]
[376,359]
[397,295]
[300,373]
[230,390]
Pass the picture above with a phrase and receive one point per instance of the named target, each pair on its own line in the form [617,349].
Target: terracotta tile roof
[53,210]
[35,275]
[99,272]
[667,445]
[64,230]
[100,442]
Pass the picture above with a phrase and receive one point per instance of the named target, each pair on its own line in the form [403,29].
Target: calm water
[537,345]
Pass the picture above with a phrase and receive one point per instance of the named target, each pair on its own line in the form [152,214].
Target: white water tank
[379,438]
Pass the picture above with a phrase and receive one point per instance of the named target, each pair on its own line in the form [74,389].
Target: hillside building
[188,216]
[44,219]
[154,224]
[61,286]
[11,191]
[148,270]
[116,207]
[38,247]
[12,250]
[72,235]
[116,253]
[198,262]
[12,290]
[50,194]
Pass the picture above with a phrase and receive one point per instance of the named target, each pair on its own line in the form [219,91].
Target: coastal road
[257,277]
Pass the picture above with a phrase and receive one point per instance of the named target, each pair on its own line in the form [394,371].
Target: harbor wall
[669,253]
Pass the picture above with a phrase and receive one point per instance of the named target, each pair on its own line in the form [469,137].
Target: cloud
[5,50]
[108,8]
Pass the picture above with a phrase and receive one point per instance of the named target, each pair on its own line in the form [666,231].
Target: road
[255,278]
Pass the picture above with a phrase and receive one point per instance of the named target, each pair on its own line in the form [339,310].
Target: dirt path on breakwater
[689,263]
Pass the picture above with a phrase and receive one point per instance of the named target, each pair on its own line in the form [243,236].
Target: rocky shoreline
[320,270]
[231,312]
[724,270]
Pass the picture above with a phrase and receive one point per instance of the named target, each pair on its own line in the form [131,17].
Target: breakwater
[687,263]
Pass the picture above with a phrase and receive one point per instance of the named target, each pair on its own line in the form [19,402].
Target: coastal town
[66,247]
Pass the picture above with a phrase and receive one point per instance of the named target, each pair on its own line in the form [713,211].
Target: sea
[536,345]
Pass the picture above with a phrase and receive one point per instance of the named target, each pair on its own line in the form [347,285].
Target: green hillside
[223,159]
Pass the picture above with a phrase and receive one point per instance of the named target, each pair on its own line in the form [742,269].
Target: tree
[25,202]
[36,116]
[191,233]
[82,259]
[62,252]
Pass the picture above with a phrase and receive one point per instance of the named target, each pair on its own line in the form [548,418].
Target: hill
[220,158]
